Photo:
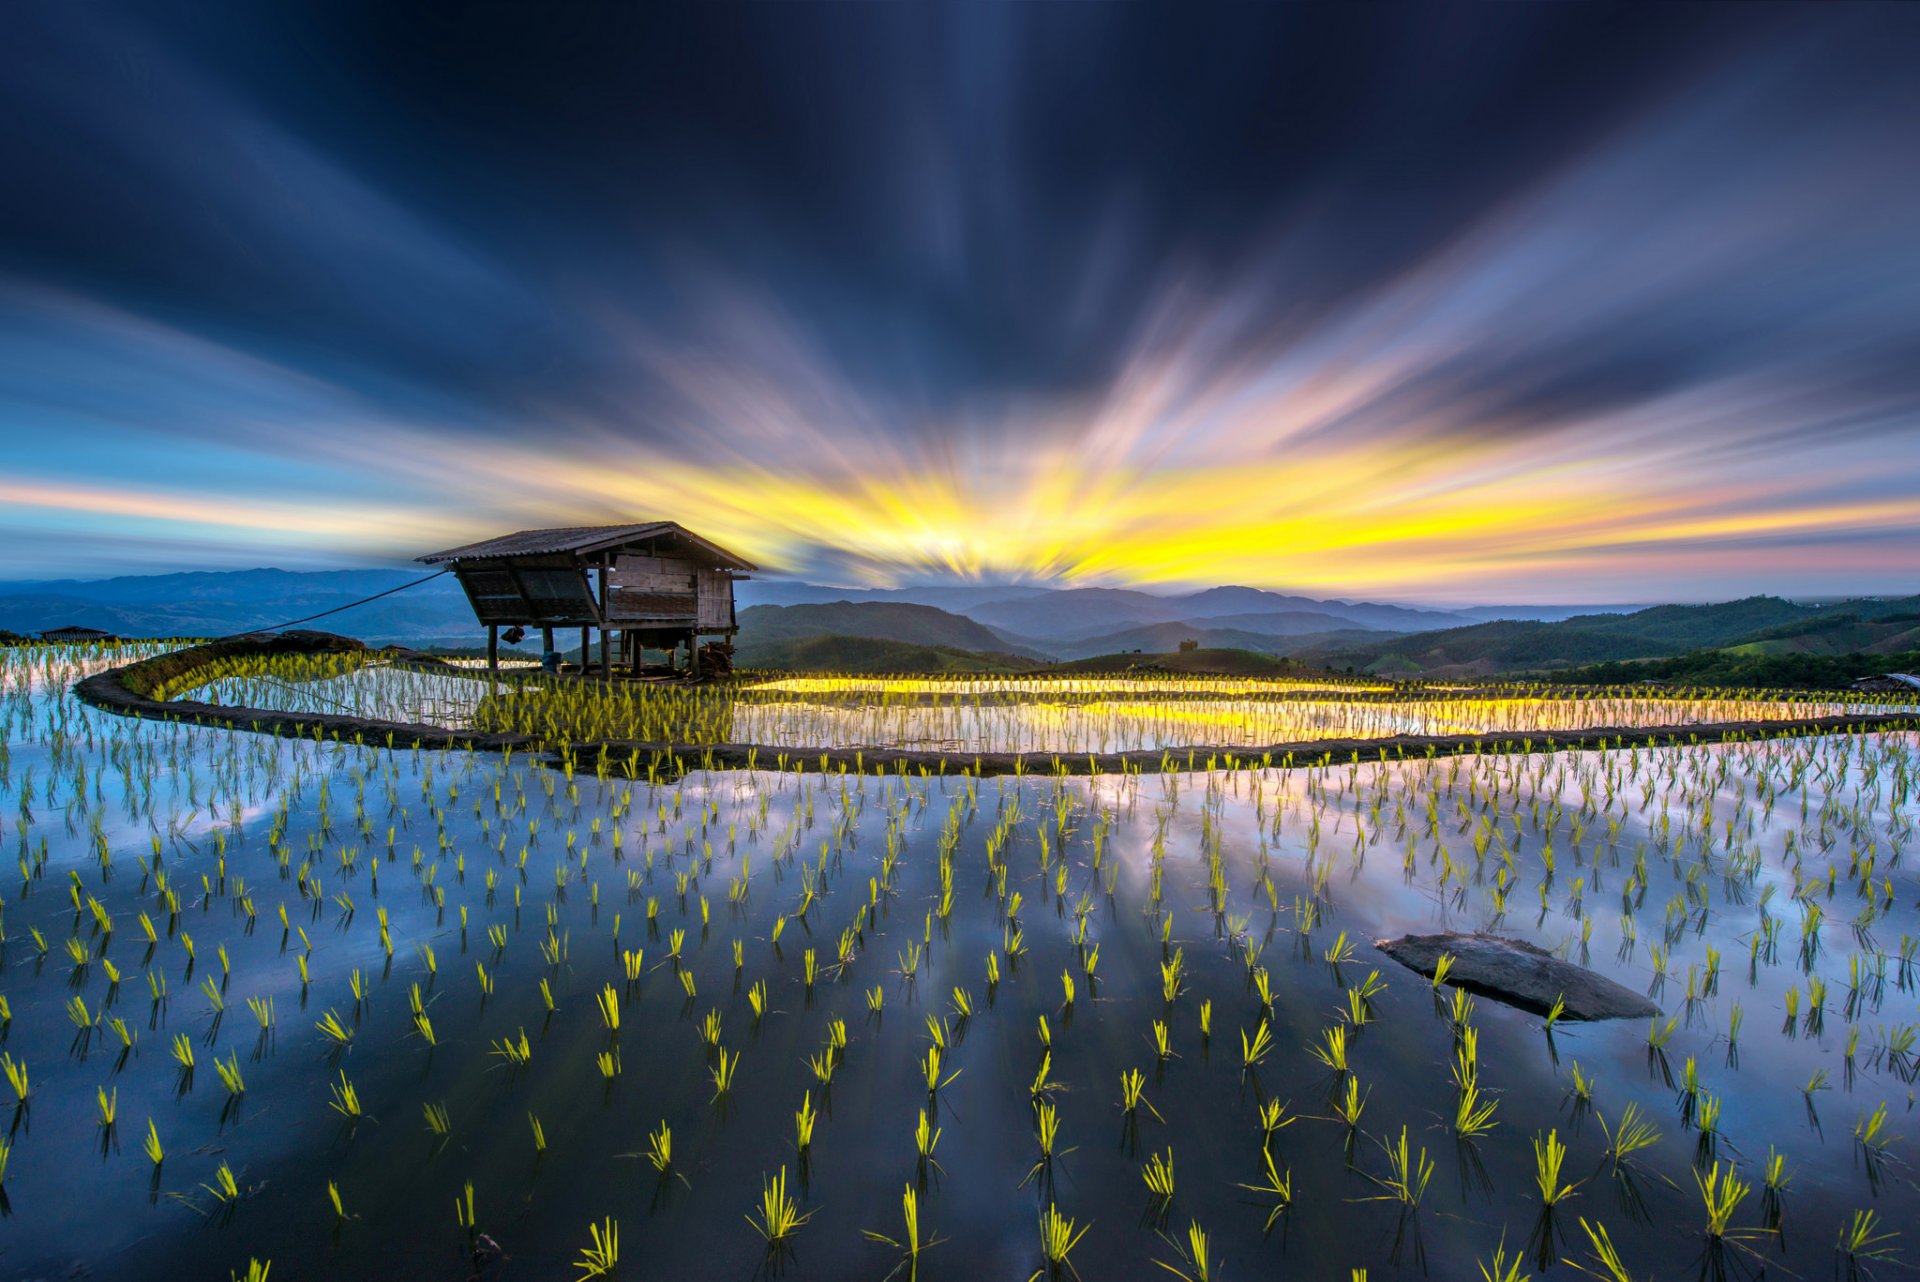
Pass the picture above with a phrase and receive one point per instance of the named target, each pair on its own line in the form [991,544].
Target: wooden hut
[651,586]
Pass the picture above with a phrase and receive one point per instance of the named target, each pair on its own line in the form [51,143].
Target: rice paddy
[989,715]
[333,1009]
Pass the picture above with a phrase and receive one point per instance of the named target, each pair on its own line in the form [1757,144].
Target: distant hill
[835,653]
[1316,632]
[883,620]
[1223,662]
[225,602]
[1492,648]
[1078,614]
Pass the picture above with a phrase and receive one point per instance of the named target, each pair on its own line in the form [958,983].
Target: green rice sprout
[1549,1155]
[803,1122]
[151,1144]
[1348,1105]
[1870,1130]
[337,1034]
[909,1244]
[601,1255]
[1195,1262]
[1057,1240]
[1408,1171]
[723,1070]
[1275,1186]
[257,1271]
[225,1187]
[1630,1135]
[1332,1049]
[1158,1175]
[1605,1256]
[17,1080]
[780,1215]
[1503,1267]
[539,1133]
[1253,1050]
[660,1147]
[516,1050]
[346,1100]
[1472,1115]
[230,1077]
[1860,1239]
[437,1119]
[1722,1190]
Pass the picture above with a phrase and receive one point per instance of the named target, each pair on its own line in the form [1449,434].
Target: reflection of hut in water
[650,586]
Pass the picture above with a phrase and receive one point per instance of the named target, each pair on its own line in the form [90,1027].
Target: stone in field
[1520,974]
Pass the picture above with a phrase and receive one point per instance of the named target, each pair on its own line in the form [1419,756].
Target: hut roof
[583,539]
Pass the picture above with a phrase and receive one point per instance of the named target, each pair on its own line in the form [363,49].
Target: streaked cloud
[1374,315]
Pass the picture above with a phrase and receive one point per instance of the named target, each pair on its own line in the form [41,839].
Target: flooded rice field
[367,1013]
[991,715]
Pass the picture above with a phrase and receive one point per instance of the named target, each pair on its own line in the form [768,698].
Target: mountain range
[1005,627]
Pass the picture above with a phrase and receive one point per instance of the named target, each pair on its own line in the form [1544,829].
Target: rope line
[275,627]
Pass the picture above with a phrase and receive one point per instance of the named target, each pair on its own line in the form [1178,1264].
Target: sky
[1501,303]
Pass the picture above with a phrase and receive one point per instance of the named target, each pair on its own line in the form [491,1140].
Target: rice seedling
[151,1145]
[1348,1105]
[338,1035]
[230,1076]
[1721,1190]
[1630,1135]
[601,1255]
[517,1051]
[804,1120]
[437,1120]
[1861,1240]
[225,1188]
[1057,1240]
[1196,1265]
[1331,1050]
[1255,1049]
[780,1215]
[723,1071]
[1408,1171]
[1276,1187]
[17,1078]
[1472,1115]
[1503,1267]
[1158,1175]
[1549,1155]
[909,1244]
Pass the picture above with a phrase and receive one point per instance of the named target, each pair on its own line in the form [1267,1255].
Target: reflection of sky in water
[1354,830]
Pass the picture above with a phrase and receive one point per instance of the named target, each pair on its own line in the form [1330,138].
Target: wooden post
[586,640]
[546,643]
[693,654]
[493,649]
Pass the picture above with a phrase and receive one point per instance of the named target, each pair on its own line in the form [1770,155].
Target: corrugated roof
[580,539]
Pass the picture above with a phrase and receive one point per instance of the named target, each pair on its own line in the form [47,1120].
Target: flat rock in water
[1520,974]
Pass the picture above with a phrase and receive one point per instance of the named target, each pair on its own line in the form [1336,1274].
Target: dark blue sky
[1501,301]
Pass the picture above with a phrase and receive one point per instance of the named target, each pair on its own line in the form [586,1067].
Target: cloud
[1491,304]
